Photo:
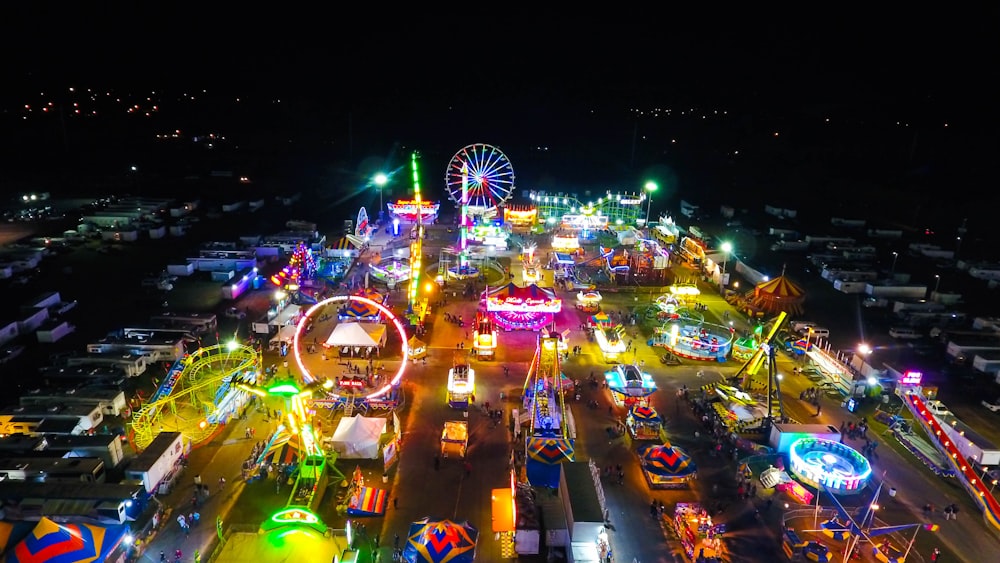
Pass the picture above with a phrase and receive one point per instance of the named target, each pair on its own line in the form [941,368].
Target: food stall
[484,339]
[589,301]
[418,348]
[454,438]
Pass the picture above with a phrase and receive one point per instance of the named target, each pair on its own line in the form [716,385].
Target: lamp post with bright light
[650,187]
[892,271]
[937,282]
[380,180]
[727,247]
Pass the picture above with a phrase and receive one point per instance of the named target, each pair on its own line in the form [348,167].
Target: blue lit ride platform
[838,467]
[463,272]
[629,385]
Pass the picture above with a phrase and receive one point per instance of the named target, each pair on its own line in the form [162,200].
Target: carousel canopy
[779,294]
[440,541]
[645,414]
[666,460]
[66,543]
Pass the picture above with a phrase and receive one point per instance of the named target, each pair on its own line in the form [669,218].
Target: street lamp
[381,180]
[937,282]
[650,187]
[892,271]
[727,247]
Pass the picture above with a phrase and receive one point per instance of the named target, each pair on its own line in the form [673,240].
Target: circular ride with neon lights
[695,340]
[838,467]
[489,178]
[361,391]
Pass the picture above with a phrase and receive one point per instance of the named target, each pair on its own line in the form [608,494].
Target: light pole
[727,247]
[937,282]
[380,181]
[892,271]
[650,187]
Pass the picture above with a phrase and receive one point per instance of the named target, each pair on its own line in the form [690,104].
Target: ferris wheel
[489,177]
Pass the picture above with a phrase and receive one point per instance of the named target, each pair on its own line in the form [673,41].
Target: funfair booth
[629,385]
[644,423]
[522,308]
[589,301]
[611,341]
[484,339]
[408,210]
[461,384]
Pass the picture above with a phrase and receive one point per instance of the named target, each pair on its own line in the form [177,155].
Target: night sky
[580,99]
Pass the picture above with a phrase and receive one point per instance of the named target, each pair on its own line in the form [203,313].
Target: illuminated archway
[297,351]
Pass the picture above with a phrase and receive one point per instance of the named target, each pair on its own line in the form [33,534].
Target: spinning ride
[611,340]
[488,175]
[385,393]
[696,341]
[391,271]
[548,442]
[837,467]
[198,394]
[589,301]
[629,385]
[521,308]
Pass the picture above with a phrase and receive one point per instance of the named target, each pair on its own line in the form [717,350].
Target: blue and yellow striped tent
[66,543]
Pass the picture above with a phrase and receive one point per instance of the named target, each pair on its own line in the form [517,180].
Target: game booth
[461,384]
[700,536]
[611,340]
[629,385]
[363,500]
[589,301]
[440,541]
[409,210]
[521,308]
[666,466]
[484,339]
[418,348]
[644,423]
[454,438]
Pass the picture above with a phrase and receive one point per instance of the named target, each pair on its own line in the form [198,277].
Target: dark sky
[817,51]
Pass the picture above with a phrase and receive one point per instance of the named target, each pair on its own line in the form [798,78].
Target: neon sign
[911,378]
[524,304]
[355,383]
[295,515]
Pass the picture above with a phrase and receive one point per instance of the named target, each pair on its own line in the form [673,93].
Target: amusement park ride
[461,384]
[765,352]
[199,393]
[610,210]
[548,442]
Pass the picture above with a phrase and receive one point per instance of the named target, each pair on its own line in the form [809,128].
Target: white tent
[285,334]
[357,335]
[357,437]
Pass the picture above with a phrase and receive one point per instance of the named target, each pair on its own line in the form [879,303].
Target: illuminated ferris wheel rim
[307,375]
[490,177]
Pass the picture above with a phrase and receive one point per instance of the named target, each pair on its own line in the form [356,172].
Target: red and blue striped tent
[550,451]
[50,542]
[440,541]
[367,501]
[643,414]
[666,460]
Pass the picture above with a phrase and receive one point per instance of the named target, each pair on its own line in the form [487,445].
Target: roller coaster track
[189,379]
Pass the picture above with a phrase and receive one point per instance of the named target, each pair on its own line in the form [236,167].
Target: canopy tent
[644,423]
[285,334]
[66,543]
[367,501]
[357,335]
[358,437]
[666,466]
[779,294]
[418,348]
[600,319]
[344,247]
[440,541]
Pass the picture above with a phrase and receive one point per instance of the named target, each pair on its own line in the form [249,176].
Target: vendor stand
[644,423]
[418,348]
[589,301]
[454,438]
[700,537]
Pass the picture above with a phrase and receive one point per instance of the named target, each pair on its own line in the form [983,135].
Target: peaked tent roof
[529,291]
[344,244]
[66,543]
[357,334]
[357,437]
[781,287]
[779,294]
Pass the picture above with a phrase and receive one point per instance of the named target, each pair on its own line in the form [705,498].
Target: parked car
[938,408]
[992,406]
[10,352]
[235,313]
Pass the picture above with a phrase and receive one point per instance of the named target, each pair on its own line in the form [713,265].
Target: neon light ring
[299,331]
[840,468]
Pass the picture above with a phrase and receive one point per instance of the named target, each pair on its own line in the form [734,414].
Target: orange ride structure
[199,393]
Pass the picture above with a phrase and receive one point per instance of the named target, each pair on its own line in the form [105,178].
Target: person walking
[936,555]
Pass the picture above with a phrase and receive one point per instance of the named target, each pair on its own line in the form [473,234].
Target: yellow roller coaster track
[197,385]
